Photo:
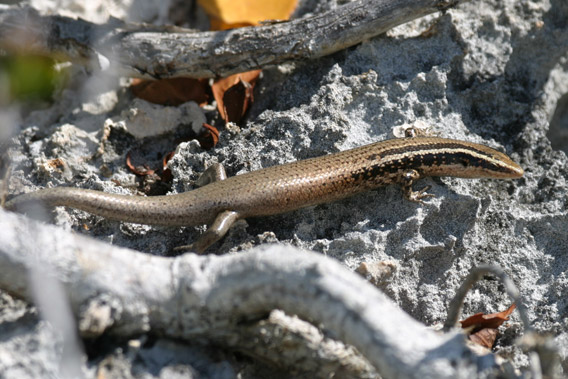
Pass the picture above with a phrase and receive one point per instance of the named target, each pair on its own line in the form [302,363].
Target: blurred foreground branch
[123,292]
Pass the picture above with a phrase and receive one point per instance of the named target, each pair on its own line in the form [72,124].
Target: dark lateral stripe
[432,147]
[403,160]
[461,156]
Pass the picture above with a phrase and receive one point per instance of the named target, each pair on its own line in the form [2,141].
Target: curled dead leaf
[209,138]
[166,172]
[234,94]
[138,170]
[482,328]
[173,91]
[166,159]
[484,337]
[493,320]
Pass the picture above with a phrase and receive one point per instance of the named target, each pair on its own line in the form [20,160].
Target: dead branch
[162,52]
[124,292]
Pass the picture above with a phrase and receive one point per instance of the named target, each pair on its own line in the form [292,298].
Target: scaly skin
[291,186]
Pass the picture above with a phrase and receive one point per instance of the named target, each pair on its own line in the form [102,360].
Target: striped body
[295,185]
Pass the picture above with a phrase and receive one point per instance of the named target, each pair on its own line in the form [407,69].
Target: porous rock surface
[491,71]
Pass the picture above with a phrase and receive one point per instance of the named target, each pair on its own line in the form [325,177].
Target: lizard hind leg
[214,233]
[223,221]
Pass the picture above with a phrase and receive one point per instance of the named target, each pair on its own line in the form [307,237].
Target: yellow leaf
[234,13]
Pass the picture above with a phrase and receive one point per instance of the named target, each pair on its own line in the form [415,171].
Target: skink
[290,186]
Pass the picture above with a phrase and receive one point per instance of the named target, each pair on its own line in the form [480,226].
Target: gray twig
[474,276]
[542,351]
[162,52]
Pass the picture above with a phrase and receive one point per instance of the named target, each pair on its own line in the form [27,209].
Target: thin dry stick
[120,291]
[474,276]
[542,351]
[153,52]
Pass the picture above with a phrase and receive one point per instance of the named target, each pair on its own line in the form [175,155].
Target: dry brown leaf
[483,328]
[209,138]
[484,337]
[234,94]
[166,172]
[174,91]
[138,170]
[227,14]
[166,159]
[493,320]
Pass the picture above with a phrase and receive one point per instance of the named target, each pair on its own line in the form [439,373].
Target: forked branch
[211,296]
